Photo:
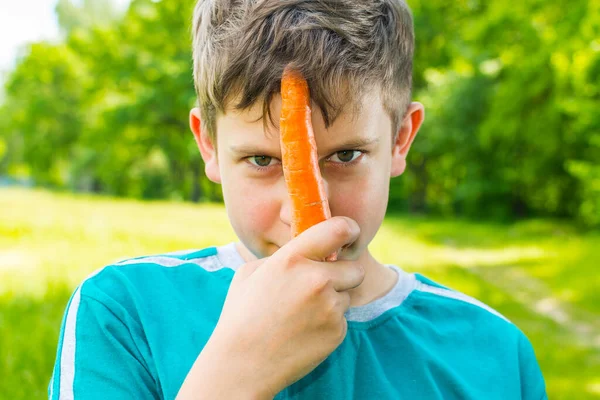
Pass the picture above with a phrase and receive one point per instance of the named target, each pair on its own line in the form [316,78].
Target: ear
[205,145]
[406,135]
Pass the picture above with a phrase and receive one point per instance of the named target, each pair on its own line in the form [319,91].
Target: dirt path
[582,324]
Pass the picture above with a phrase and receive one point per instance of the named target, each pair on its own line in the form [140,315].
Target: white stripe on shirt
[423,287]
[69,342]
[69,339]
[67,354]
[210,263]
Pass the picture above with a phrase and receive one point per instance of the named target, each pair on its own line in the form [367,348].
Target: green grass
[542,275]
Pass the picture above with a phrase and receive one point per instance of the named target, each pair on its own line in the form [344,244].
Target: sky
[23,21]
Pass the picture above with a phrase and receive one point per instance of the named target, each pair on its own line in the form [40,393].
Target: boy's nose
[285,213]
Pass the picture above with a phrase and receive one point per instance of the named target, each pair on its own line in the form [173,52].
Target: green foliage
[589,176]
[85,14]
[45,108]
[107,110]
[511,94]
[512,98]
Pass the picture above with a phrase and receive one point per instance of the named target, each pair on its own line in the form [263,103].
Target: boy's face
[357,159]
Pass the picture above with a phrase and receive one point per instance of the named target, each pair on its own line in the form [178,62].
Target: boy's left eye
[345,156]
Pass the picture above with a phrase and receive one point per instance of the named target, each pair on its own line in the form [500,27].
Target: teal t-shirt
[134,329]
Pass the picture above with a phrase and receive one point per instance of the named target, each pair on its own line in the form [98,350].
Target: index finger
[321,240]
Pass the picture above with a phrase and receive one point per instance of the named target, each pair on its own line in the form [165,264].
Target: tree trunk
[197,194]
[418,199]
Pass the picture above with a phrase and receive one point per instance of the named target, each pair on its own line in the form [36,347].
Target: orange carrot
[299,155]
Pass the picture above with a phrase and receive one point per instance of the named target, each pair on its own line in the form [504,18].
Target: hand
[284,315]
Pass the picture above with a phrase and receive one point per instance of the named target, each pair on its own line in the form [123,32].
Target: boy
[267,317]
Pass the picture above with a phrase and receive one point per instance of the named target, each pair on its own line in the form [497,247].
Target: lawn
[542,275]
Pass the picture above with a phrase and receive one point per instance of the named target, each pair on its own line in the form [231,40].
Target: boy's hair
[342,47]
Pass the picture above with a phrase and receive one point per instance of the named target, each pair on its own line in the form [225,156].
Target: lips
[344,250]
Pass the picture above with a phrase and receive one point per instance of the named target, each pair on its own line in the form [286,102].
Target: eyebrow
[248,150]
[358,142]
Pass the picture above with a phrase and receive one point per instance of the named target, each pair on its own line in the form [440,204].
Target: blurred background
[501,199]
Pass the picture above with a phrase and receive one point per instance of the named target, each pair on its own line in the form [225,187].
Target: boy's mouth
[272,247]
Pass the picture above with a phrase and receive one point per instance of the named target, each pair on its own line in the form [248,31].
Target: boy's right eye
[261,161]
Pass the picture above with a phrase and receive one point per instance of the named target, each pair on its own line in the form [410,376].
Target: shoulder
[156,275]
[446,299]
[470,324]
[453,313]
[471,336]
[151,287]
[112,315]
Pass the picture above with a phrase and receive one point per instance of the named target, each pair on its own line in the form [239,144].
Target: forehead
[366,119]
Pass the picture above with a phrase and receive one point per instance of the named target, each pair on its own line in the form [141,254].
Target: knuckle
[289,259]
[319,282]
[328,317]
[331,312]
[355,274]
[334,306]
[341,228]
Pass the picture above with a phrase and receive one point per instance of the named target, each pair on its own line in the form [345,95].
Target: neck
[379,280]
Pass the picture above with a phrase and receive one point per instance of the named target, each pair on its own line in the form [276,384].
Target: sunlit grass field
[542,275]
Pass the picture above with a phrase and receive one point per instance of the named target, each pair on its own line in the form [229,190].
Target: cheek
[251,211]
[363,199]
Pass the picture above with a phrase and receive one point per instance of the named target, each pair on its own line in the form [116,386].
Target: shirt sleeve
[533,386]
[100,354]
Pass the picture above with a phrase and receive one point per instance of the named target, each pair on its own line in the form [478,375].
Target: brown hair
[342,47]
